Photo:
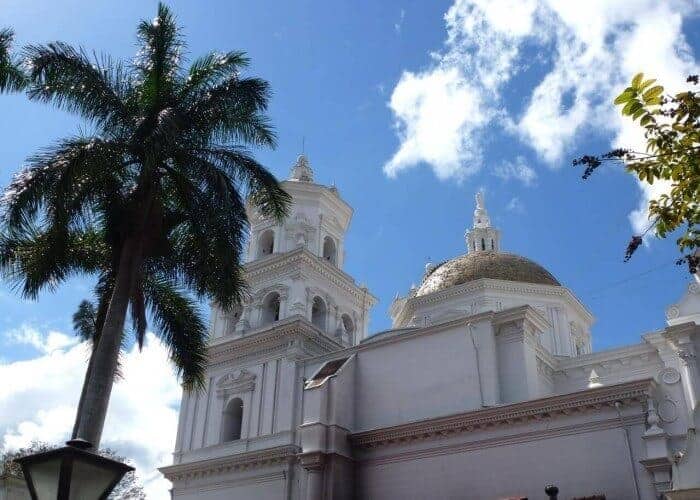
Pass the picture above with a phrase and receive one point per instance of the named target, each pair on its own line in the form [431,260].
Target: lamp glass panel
[45,477]
[89,481]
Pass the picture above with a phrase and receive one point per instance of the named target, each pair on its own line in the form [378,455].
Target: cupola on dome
[484,260]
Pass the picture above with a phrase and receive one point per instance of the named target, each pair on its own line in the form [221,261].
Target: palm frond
[38,259]
[264,190]
[62,180]
[137,305]
[66,77]
[158,61]
[234,110]
[208,71]
[11,76]
[180,327]
[85,322]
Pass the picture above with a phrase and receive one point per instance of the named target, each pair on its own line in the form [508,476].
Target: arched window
[329,251]
[348,326]
[483,244]
[318,313]
[493,247]
[232,420]
[266,243]
[271,309]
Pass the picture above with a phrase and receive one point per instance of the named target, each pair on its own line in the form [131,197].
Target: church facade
[486,386]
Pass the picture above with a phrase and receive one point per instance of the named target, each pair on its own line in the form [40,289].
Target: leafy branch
[671,126]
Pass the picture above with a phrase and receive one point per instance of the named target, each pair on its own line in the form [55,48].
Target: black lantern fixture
[71,473]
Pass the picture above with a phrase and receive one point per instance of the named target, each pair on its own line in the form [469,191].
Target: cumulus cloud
[39,403]
[28,335]
[587,51]
[518,170]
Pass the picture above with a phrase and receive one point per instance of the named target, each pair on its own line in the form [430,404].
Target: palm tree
[160,182]
[11,76]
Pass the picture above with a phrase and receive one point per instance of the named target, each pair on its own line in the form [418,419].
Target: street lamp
[71,473]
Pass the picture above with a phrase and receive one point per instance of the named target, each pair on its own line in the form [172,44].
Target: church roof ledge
[275,260]
[511,414]
[232,462]
[270,334]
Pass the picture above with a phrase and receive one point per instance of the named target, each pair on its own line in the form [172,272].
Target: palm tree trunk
[100,377]
[79,412]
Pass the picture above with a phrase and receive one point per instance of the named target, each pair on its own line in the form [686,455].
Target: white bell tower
[482,237]
[294,268]
[300,305]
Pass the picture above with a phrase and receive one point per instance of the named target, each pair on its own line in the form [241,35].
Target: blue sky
[409,108]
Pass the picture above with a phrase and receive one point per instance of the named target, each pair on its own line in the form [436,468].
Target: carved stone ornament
[653,419]
[686,355]
[672,312]
[668,410]
[669,376]
[235,383]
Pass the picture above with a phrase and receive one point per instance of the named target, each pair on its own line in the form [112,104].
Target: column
[688,358]
[314,463]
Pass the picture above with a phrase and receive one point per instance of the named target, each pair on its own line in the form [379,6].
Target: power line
[598,291]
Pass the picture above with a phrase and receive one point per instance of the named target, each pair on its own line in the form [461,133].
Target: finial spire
[481,216]
[482,237]
[301,170]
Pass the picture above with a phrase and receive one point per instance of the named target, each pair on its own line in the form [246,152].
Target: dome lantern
[301,170]
[482,237]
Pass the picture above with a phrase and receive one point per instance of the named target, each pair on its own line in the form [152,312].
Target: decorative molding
[507,415]
[506,440]
[620,354]
[669,375]
[313,461]
[232,463]
[413,302]
[295,335]
[668,410]
[235,384]
[291,261]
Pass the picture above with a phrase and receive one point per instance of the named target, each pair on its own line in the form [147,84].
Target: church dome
[485,264]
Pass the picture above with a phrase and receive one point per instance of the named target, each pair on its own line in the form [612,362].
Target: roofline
[484,283]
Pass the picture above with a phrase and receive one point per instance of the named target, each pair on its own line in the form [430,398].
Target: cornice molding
[272,266]
[404,334]
[526,313]
[284,333]
[607,356]
[232,463]
[507,415]
[412,303]
[304,189]
[506,440]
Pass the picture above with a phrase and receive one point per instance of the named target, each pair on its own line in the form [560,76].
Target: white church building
[486,386]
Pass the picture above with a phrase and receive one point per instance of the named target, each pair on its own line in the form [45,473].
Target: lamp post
[71,473]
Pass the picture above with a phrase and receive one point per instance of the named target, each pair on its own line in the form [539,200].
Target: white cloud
[44,343]
[515,205]
[40,403]
[590,50]
[438,115]
[518,170]
[398,25]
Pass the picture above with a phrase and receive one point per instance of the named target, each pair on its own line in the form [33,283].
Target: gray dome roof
[485,264]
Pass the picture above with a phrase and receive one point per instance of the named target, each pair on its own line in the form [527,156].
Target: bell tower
[482,237]
[300,304]
[294,268]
